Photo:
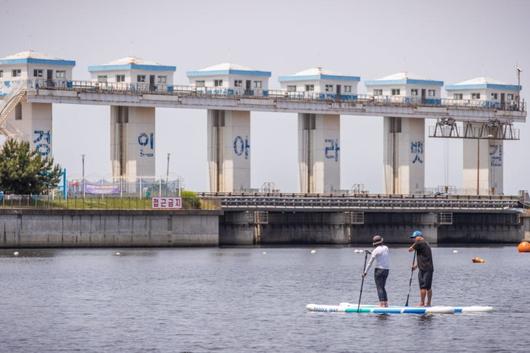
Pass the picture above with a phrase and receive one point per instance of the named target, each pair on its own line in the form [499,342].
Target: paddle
[366,252]
[410,280]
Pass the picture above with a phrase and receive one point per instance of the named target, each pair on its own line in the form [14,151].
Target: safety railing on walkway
[364,202]
[136,89]
[104,202]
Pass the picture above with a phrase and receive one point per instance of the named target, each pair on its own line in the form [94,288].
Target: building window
[347,89]
[140,78]
[15,73]
[414,92]
[291,88]
[37,73]
[396,91]
[378,92]
[458,96]
[18,112]
[257,84]
[199,83]
[102,78]
[162,79]
[329,88]
[494,96]
[309,88]
[510,97]
[431,93]
[1,73]
[475,95]
[120,78]
[238,83]
[218,83]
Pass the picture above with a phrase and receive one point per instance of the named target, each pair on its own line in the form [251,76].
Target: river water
[253,300]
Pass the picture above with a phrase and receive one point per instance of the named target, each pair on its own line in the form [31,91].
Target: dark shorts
[425,279]
[380,276]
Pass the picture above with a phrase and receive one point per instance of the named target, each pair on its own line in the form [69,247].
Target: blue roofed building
[135,72]
[230,79]
[486,92]
[319,83]
[406,87]
[34,66]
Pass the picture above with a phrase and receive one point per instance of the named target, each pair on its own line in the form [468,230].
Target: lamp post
[518,69]
[83,173]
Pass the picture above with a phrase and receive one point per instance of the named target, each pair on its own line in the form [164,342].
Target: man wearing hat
[425,265]
[382,266]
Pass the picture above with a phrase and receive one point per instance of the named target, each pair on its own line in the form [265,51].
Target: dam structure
[481,111]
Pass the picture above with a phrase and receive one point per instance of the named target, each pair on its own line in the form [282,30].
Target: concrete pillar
[32,122]
[132,141]
[404,155]
[526,227]
[229,150]
[319,152]
[483,167]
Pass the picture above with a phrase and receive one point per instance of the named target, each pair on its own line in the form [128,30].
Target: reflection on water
[28,252]
[251,300]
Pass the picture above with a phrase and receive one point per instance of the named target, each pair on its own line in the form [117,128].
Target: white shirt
[381,255]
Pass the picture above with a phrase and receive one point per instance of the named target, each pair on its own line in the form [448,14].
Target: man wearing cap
[382,266]
[425,265]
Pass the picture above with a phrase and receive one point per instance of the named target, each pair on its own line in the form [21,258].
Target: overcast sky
[446,40]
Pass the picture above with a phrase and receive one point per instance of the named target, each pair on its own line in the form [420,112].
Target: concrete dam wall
[97,228]
[148,228]
[258,227]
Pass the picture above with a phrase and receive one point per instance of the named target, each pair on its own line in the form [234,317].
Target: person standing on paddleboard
[381,256]
[425,265]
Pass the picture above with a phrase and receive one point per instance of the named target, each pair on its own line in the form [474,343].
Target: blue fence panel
[433,101]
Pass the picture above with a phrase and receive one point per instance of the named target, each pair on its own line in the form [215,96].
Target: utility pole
[83,172]
[167,174]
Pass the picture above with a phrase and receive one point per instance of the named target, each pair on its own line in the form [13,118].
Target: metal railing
[103,202]
[345,100]
[364,202]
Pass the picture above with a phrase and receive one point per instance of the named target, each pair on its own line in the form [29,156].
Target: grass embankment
[190,200]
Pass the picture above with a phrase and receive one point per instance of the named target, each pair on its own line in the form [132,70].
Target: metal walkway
[94,93]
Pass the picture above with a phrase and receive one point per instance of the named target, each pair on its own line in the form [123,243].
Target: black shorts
[425,279]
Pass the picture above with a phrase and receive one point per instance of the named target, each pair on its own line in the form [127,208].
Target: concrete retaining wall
[91,228]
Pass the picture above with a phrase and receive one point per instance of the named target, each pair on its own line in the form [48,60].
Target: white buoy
[313,251]
[264,253]
[15,253]
[117,253]
[455,251]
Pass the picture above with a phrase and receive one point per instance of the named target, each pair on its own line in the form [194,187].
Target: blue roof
[404,81]
[58,62]
[207,73]
[298,78]
[127,67]
[460,87]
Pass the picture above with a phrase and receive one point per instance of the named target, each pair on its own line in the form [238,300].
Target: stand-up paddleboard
[373,309]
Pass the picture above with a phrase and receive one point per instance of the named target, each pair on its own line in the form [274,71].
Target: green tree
[23,171]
